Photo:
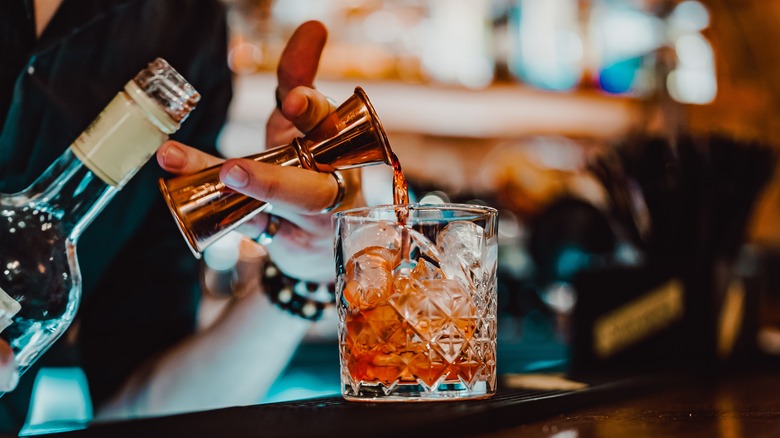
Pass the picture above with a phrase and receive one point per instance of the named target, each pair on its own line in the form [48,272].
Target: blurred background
[509,103]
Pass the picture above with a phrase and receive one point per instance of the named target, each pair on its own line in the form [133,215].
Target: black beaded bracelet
[298,297]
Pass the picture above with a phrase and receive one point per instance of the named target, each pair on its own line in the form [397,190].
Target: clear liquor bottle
[40,281]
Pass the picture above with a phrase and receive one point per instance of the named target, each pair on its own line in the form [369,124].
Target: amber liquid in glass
[396,335]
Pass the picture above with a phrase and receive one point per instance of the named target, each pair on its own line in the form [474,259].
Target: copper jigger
[205,210]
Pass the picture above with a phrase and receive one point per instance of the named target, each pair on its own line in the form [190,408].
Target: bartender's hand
[303,245]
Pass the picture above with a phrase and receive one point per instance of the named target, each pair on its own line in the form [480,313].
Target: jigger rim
[184,228]
[376,122]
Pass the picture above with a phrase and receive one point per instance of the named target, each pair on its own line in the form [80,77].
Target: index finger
[301,57]
[292,188]
[181,159]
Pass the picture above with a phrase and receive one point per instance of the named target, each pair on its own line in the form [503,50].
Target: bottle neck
[71,192]
[120,140]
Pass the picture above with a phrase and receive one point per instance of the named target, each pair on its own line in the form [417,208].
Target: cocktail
[416,297]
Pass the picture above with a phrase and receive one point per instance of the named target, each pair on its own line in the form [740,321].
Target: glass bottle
[40,281]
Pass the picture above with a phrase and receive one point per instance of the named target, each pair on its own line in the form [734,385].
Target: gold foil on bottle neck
[125,135]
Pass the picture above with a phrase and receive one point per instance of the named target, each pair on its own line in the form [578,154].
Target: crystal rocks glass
[416,297]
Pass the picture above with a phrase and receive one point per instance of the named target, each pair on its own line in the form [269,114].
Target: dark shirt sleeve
[140,281]
[146,298]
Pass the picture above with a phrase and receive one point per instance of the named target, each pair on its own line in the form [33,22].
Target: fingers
[305,107]
[295,74]
[279,131]
[301,111]
[302,253]
[181,159]
[290,188]
[290,232]
[301,56]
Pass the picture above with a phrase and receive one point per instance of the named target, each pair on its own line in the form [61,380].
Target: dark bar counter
[742,405]
[732,405]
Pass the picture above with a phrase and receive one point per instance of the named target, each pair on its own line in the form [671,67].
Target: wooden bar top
[738,405]
[727,405]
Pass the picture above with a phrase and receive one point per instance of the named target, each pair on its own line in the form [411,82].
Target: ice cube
[460,245]
[369,277]
[379,234]
[425,270]
[427,248]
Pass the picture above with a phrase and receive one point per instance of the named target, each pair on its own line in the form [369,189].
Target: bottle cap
[171,91]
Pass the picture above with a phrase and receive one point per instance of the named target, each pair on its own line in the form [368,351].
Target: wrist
[302,298]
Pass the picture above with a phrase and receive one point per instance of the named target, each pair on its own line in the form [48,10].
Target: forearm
[233,362]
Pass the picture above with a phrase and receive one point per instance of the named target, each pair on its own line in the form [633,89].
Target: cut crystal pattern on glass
[417,318]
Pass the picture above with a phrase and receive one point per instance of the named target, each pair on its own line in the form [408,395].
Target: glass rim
[448,206]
